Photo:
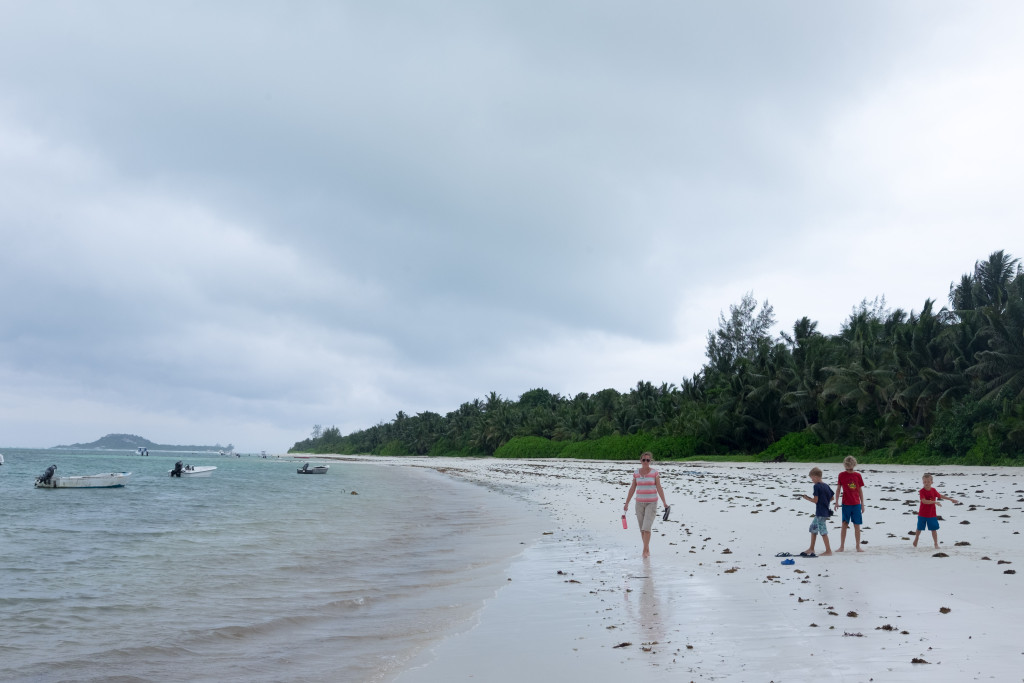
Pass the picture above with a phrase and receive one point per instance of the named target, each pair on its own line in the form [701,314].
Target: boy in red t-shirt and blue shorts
[928,514]
[851,491]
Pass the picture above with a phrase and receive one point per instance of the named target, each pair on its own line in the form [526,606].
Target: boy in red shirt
[927,514]
[850,490]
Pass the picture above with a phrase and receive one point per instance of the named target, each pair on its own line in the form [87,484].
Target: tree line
[942,383]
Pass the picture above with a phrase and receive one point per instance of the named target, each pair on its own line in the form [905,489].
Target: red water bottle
[623,521]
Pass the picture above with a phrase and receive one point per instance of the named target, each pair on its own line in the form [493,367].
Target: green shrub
[807,447]
[393,448]
[987,452]
[445,448]
[630,446]
[673,447]
[918,454]
[614,447]
[952,433]
[530,447]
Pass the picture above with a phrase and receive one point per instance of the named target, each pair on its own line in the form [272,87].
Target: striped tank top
[646,491]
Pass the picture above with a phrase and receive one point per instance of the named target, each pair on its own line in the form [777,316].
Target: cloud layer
[230,222]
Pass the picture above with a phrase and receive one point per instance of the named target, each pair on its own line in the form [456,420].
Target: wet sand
[713,603]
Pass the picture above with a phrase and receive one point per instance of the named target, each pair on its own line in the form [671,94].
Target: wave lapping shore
[252,574]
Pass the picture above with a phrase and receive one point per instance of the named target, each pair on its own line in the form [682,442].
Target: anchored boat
[110,480]
[191,470]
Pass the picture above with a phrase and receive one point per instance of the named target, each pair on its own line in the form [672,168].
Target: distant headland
[131,442]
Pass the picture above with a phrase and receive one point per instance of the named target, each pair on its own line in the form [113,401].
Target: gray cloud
[229,222]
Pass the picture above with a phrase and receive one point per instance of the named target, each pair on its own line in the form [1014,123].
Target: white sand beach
[714,603]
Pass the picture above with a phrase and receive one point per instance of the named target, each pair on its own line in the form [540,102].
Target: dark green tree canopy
[947,382]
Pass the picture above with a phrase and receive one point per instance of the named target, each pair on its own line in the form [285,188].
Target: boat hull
[111,480]
[320,469]
[195,472]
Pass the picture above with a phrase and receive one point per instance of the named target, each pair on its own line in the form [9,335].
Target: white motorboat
[318,469]
[191,470]
[109,480]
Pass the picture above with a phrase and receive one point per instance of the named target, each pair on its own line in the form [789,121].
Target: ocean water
[255,573]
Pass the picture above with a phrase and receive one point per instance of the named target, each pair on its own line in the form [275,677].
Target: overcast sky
[230,221]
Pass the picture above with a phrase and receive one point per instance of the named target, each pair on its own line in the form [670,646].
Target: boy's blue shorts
[931,522]
[851,513]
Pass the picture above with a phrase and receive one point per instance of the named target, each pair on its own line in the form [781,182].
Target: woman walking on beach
[647,487]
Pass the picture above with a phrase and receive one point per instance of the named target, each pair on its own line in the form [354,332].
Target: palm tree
[805,373]
[1001,368]
[867,384]
[989,286]
[768,384]
[575,420]
[928,376]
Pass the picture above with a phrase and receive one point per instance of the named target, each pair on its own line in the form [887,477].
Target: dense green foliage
[930,386]
[613,447]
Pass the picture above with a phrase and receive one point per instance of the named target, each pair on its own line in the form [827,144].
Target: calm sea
[255,573]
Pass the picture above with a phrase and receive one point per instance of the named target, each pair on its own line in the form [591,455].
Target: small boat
[1,458]
[191,470]
[110,480]
[141,450]
[318,469]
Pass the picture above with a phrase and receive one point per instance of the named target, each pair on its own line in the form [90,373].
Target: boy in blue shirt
[819,525]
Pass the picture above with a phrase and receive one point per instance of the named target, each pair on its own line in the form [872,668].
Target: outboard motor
[305,467]
[46,476]
[176,472]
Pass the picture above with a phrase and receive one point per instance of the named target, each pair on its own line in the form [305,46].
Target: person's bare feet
[915,542]
[826,553]
[860,550]
[839,550]
[936,547]
[647,553]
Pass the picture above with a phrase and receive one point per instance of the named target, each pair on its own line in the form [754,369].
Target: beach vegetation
[943,384]
[531,447]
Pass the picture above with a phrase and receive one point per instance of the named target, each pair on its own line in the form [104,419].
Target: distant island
[131,442]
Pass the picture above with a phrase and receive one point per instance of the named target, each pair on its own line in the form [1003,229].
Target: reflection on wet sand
[645,607]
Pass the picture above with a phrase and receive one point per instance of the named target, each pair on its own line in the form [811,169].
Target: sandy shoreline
[713,603]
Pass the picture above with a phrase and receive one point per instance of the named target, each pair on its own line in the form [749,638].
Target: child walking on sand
[819,525]
[928,514]
[851,491]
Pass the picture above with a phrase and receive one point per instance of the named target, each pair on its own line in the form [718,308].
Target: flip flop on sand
[783,555]
[807,555]
[789,561]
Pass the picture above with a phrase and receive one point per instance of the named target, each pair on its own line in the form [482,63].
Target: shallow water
[254,573]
